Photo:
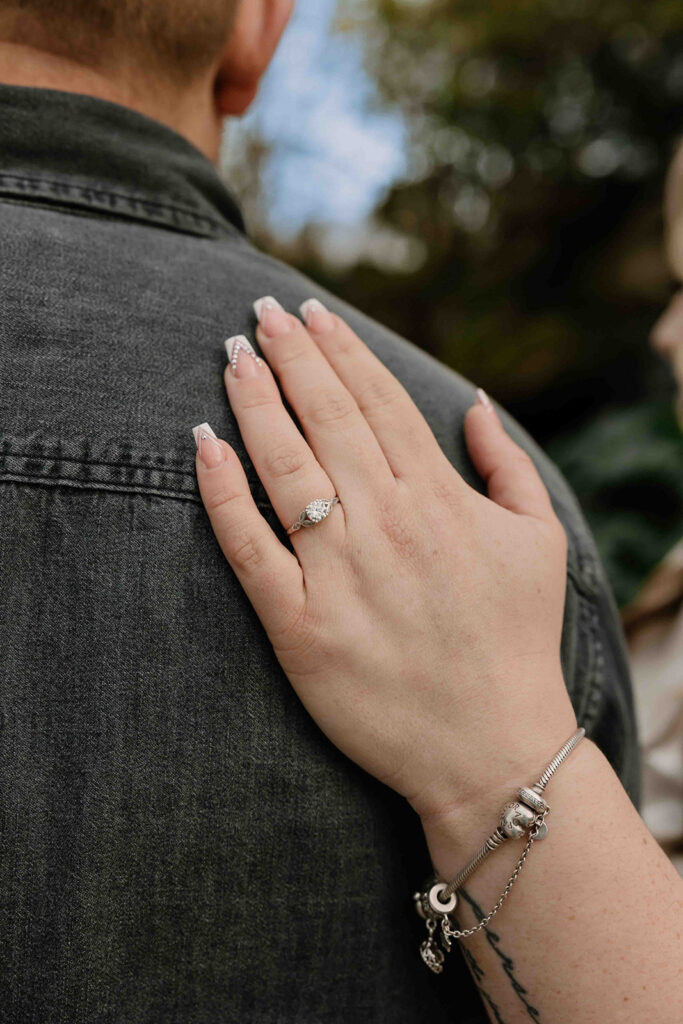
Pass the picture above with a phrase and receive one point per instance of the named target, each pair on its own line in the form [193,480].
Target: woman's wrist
[454,833]
[463,773]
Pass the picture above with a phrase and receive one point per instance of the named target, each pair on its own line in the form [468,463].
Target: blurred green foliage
[540,134]
[528,231]
[626,469]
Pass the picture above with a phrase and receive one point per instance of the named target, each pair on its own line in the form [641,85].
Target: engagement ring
[314,512]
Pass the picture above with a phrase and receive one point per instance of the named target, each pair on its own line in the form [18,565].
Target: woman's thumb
[510,475]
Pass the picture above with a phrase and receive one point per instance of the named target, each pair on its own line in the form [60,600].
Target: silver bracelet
[523,817]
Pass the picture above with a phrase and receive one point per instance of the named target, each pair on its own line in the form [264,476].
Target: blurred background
[488,180]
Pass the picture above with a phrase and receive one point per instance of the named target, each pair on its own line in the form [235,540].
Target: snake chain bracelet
[524,817]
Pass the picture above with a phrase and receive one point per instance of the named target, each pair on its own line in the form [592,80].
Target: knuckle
[330,407]
[379,393]
[300,635]
[259,393]
[341,342]
[293,351]
[521,461]
[283,462]
[445,489]
[245,553]
[222,499]
[397,525]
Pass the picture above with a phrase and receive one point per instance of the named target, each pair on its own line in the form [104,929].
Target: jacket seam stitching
[93,485]
[94,462]
[580,585]
[82,191]
[595,676]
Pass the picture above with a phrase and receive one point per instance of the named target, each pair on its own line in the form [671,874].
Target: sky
[334,151]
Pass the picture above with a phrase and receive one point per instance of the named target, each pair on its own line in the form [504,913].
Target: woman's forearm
[591,931]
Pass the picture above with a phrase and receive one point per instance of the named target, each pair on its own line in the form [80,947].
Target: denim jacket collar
[69,150]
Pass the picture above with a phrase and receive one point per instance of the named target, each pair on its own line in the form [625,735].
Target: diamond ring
[314,513]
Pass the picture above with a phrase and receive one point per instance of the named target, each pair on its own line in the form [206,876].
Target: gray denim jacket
[178,840]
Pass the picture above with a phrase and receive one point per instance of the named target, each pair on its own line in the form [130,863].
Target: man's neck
[190,113]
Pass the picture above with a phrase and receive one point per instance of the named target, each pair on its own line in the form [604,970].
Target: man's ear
[255,35]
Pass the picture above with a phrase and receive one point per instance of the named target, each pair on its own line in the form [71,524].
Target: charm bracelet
[526,816]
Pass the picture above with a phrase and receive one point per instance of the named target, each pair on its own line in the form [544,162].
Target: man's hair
[178,38]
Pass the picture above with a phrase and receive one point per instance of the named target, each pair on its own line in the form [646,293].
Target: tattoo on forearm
[478,973]
[507,962]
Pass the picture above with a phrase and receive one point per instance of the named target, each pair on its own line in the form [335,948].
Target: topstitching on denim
[55,191]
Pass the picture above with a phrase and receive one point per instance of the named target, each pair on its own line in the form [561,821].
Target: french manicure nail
[243,359]
[484,400]
[316,317]
[202,426]
[210,451]
[272,317]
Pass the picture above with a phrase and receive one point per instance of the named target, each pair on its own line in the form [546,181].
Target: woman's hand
[420,622]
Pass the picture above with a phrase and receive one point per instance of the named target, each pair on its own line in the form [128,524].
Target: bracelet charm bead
[428,904]
[516,819]
[430,950]
[532,799]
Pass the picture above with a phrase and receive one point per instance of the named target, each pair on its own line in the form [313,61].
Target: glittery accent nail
[234,347]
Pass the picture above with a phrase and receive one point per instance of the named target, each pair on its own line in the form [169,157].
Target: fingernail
[272,317]
[484,400]
[210,452]
[243,359]
[316,317]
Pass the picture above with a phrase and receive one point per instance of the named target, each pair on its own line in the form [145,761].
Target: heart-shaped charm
[432,956]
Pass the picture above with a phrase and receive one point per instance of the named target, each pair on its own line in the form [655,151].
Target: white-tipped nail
[316,316]
[203,428]
[239,339]
[267,302]
[310,306]
[484,400]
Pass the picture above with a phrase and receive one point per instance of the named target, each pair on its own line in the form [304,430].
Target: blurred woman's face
[667,333]
[667,337]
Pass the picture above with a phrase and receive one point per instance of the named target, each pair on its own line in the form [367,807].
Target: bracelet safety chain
[524,817]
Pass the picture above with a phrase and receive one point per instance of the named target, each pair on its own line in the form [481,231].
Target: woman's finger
[335,428]
[403,434]
[510,475]
[287,468]
[270,574]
